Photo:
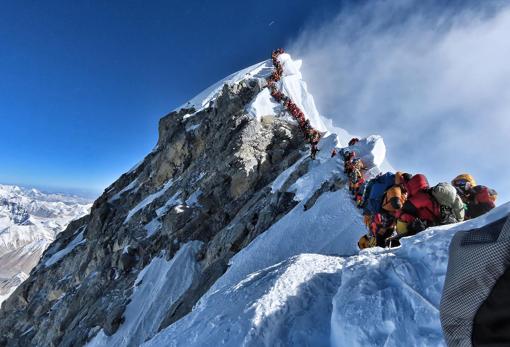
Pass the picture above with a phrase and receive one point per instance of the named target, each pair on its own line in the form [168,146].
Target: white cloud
[434,81]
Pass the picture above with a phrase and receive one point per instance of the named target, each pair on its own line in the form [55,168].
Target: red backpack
[416,183]
[484,195]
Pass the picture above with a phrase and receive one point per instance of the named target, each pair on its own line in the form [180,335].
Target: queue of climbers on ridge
[401,204]
[312,136]
[394,204]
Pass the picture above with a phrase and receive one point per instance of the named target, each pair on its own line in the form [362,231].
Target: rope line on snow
[312,136]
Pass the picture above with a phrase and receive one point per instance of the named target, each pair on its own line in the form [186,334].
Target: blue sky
[85,83]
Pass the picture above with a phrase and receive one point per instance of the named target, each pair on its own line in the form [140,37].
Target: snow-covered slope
[210,94]
[377,298]
[29,222]
[292,85]
[302,283]
[228,234]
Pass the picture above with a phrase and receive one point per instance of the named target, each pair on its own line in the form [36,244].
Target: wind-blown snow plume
[431,78]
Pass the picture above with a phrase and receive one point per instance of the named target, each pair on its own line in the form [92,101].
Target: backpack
[447,216]
[451,205]
[444,193]
[373,203]
[421,205]
[484,195]
[481,201]
[393,199]
[416,183]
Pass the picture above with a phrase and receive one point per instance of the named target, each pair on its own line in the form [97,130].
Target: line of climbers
[400,204]
[312,136]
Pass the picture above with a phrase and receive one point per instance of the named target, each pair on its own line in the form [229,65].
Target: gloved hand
[417,225]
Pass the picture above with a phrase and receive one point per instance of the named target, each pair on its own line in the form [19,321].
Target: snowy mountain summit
[228,234]
[29,222]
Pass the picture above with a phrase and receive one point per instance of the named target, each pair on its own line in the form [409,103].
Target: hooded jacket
[420,204]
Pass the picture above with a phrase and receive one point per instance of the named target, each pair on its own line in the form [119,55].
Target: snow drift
[380,297]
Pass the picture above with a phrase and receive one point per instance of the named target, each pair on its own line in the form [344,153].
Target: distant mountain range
[29,222]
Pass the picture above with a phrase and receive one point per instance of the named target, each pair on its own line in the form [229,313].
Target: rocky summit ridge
[205,190]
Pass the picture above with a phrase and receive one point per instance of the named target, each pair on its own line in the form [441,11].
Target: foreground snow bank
[377,298]
[272,307]
[391,297]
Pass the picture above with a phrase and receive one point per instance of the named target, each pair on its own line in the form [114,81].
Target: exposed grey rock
[332,186]
[220,173]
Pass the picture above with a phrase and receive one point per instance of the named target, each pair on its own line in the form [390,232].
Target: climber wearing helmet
[477,198]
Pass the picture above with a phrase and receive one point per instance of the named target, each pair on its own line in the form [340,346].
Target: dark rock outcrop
[207,179]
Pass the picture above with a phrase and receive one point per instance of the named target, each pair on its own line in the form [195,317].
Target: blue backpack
[374,193]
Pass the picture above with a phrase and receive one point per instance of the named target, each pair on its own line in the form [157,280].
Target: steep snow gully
[301,282]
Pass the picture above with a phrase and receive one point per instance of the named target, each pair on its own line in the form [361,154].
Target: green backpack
[452,207]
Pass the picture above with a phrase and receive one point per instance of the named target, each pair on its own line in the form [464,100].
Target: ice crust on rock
[148,200]
[208,95]
[157,287]
[78,240]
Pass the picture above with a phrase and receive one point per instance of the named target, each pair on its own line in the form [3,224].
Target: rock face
[207,181]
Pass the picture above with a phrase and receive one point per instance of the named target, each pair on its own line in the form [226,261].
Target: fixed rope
[312,136]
